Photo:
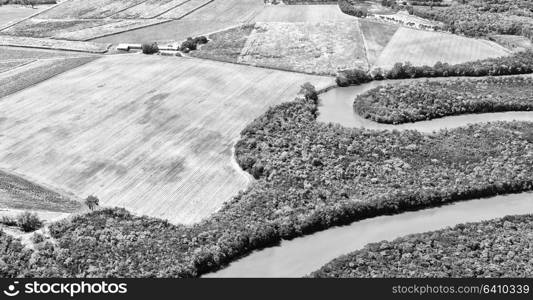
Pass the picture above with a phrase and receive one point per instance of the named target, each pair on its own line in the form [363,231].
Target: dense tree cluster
[429,3]
[496,248]
[395,104]
[351,8]
[311,176]
[518,63]
[480,18]
[14,259]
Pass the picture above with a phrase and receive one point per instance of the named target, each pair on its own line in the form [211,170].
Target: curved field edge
[496,248]
[311,176]
[427,100]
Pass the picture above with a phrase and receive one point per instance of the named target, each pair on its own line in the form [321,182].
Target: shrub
[29,221]
[200,40]
[150,48]
[352,77]
[37,238]
[8,221]
[352,9]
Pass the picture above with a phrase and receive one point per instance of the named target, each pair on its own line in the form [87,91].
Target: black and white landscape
[266,138]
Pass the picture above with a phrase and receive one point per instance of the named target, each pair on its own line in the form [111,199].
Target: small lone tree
[92,202]
[29,221]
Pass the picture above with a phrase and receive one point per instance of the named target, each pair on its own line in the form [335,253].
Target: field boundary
[11,41]
[11,24]
[258,66]
[189,12]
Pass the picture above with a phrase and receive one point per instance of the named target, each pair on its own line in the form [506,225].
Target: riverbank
[301,256]
[495,248]
[337,105]
[427,100]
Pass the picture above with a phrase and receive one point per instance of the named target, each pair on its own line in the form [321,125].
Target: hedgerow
[518,63]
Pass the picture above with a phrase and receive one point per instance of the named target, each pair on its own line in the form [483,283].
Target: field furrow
[158,142]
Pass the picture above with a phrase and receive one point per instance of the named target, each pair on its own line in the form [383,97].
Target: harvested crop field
[75,30]
[216,16]
[158,142]
[28,74]
[426,48]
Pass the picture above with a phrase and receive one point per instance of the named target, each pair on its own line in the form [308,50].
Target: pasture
[315,48]
[426,48]
[157,142]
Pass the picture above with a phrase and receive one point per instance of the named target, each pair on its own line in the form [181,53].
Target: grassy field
[426,48]
[13,13]
[316,48]
[158,142]
[377,36]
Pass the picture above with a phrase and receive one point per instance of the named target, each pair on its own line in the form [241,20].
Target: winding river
[301,256]
[336,106]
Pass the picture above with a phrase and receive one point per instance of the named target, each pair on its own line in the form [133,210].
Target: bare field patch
[158,142]
[315,48]
[302,13]
[426,48]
